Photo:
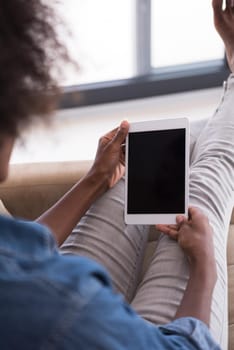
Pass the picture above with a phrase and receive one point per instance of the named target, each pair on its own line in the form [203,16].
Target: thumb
[121,134]
[180,219]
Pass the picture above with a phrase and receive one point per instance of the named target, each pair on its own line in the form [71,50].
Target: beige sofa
[33,188]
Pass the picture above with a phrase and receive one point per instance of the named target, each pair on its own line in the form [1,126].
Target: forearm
[198,294]
[67,212]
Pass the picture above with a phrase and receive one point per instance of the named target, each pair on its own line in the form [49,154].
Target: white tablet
[157,170]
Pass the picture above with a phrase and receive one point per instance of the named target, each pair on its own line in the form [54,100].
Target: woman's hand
[110,158]
[194,235]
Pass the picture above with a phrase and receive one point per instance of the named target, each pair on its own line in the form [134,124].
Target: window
[136,48]
[102,39]
[183,33]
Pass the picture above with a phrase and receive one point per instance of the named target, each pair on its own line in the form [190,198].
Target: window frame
[148,81]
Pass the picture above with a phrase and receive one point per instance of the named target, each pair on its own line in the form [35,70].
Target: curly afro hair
[29,49]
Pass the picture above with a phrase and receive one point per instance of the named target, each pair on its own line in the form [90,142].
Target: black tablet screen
[156,172]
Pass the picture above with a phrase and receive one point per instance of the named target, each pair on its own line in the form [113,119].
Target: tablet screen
[156,172]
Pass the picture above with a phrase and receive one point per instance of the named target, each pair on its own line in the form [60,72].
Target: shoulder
[25,239]
[13,226]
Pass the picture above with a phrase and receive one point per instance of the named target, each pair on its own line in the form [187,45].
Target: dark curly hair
[29,48]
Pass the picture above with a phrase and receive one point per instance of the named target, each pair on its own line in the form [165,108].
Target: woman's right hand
[110,158]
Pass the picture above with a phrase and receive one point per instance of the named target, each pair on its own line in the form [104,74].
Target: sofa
[33,188]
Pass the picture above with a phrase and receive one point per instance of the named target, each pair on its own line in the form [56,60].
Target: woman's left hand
[110,157]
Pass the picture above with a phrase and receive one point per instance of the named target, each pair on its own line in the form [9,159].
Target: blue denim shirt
[49,301]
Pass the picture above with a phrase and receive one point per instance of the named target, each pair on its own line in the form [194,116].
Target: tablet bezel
[159,124]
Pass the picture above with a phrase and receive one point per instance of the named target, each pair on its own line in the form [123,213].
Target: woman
[54,301]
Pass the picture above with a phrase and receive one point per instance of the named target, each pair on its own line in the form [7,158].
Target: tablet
[157,170]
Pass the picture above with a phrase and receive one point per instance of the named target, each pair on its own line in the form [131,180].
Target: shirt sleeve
[108,322]
[194,330]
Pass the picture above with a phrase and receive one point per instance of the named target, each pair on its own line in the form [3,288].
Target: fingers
[230,3]
[116,135]
[169,230]
[218,12]
[217,5]
[194,214]
[121,133]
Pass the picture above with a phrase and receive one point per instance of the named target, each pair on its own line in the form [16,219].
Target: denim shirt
[50,301]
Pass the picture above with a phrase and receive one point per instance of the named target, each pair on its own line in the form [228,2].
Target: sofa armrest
[33,188]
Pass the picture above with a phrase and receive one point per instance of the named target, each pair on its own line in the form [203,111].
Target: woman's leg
[103,236]
[212,190]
